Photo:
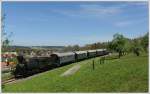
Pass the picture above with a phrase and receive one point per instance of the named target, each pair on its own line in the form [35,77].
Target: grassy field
[128,74]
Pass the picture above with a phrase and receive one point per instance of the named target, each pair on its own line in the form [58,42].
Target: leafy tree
[76,48]
[137,47]
[127,47]
[144,42]
[68,48]
[118,44]
[5,35]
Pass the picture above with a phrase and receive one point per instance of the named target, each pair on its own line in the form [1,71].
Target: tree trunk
[120,54]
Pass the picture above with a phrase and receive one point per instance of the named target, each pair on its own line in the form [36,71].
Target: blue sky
[70,23]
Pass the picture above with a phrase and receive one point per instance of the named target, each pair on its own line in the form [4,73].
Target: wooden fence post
[104,59]
[99,60]
[93,65]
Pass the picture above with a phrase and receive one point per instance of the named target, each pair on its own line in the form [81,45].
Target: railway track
[9,80]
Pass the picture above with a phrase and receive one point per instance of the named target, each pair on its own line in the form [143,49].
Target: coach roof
[80,52]
[63,54]
[101,49]
[91,50]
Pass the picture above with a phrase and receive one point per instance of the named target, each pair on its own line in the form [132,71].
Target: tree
[137,47]
[144,42]
[76,48]
[118,44]
[127,46]
[68,48]
[5,35]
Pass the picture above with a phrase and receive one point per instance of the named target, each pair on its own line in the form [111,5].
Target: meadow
[127,74]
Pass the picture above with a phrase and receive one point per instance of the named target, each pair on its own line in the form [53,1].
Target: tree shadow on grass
[112,57]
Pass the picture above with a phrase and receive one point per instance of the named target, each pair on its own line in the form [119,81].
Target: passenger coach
[80,55]
[91,53]
[100,52]
[62,58]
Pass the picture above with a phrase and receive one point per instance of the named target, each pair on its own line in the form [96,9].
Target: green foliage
[93,46]
[124,45]
[5,35]
[144,42]
[119,44]
[127,74]
[76,48]
[137,47]
[127,46]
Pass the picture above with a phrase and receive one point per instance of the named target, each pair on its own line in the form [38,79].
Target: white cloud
[140,3]
[97,9]
[93,38]
[90,10]
[123,23]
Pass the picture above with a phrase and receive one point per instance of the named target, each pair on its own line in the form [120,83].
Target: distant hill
[48,47]
[14,48]
[37,46]
[19,47]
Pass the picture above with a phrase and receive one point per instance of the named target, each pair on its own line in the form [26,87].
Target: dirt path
[72,70]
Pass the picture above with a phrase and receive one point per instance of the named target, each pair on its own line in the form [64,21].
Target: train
[27,66]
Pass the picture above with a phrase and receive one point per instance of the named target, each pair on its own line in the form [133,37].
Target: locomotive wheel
[58,65]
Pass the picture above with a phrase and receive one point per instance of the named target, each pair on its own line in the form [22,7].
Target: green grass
[127,74]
